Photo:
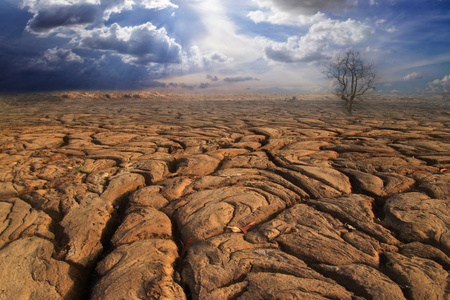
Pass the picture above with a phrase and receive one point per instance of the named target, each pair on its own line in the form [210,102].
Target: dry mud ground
[151,196]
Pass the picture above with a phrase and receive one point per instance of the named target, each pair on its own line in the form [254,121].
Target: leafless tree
[353,76]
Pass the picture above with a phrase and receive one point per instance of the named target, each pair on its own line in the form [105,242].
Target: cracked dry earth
[150,196]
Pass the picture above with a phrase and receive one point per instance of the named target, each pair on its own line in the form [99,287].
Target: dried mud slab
[20,220]
[367,281]
[84,225]
[28,271]
[357,212]
[313,236]
[227,266]
[151,196]
[140,224]
[420,278]
[141,270]
[416,217]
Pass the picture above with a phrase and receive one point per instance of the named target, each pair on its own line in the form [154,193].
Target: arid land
[144,195]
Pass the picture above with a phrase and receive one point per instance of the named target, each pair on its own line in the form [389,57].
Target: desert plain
[147,195]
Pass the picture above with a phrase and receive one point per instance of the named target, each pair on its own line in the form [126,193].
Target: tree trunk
[349,105]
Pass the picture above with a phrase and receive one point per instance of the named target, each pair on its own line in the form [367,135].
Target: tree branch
[353,76]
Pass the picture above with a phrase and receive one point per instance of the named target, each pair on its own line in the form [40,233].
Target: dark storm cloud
[212,78]
[306,7]
[277,55]
[287,56]
[143,44]
[61,16]
[111,3]
[238,79]
[98,72]
[188,86]
[309,6]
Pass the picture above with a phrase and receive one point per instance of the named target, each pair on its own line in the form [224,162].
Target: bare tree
[353,76]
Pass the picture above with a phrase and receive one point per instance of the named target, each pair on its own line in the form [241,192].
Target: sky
[220,46]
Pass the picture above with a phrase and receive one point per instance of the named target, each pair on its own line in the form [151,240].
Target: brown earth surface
[140,195]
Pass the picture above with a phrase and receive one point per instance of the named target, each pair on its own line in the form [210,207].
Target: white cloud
[141,45]
[195,60]
[341,33]
[440,85]
[316,43]
[216,57]
[157,4]
[391,29]
[117,6]
[56,58]
[372,50]
[284,18]
[412,76]
[295,49]
[380,22]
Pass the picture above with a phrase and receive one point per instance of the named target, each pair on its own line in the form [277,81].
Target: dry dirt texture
[152,196]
